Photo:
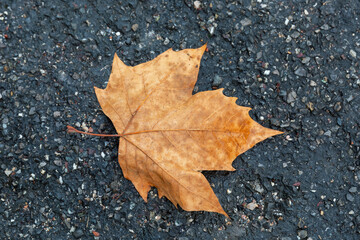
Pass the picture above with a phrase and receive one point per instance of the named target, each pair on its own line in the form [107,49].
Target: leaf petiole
[71,129]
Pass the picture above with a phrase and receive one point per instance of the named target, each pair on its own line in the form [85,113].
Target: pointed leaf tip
[203,48]
[115,56]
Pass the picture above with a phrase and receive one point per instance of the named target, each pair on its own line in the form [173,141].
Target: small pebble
[61,180]
[58,163]
[353,190]
[305,60]
[325,27]
[288,39]
[337,106]
[8,172]
[350,197]
[217,81]
[351,168]
[197,5]
[32,111]
[211,30]
[291,97]
[295,34]
[300,72]
[135,27]
[57,114]
[352,53]
[246,22]
[42,164]
[286,21]
[302,234]
[76,76]
[327,133]
[251,206]
[78,233]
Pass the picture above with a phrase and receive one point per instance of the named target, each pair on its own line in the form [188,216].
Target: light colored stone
[8,172]
[135,27]
[197,5]
[312,83]
[352,53]
[246,22]
[251,206]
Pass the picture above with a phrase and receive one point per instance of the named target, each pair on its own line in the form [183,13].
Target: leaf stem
[71,129]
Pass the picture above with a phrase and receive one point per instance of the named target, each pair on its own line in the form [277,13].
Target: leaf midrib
[180,130]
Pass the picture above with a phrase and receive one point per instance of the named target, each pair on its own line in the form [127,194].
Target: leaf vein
[195,193]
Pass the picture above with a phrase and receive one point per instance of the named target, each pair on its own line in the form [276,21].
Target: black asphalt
[296,63]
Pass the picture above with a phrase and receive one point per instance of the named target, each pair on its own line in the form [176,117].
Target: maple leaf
[167,135]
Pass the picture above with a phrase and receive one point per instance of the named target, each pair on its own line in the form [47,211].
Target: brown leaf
[168,135]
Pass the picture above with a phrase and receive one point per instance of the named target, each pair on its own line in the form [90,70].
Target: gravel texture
[296,63]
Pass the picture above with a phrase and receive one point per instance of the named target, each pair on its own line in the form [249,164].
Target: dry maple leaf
[167,135]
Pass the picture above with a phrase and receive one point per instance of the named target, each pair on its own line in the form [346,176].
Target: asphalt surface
[296,63]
